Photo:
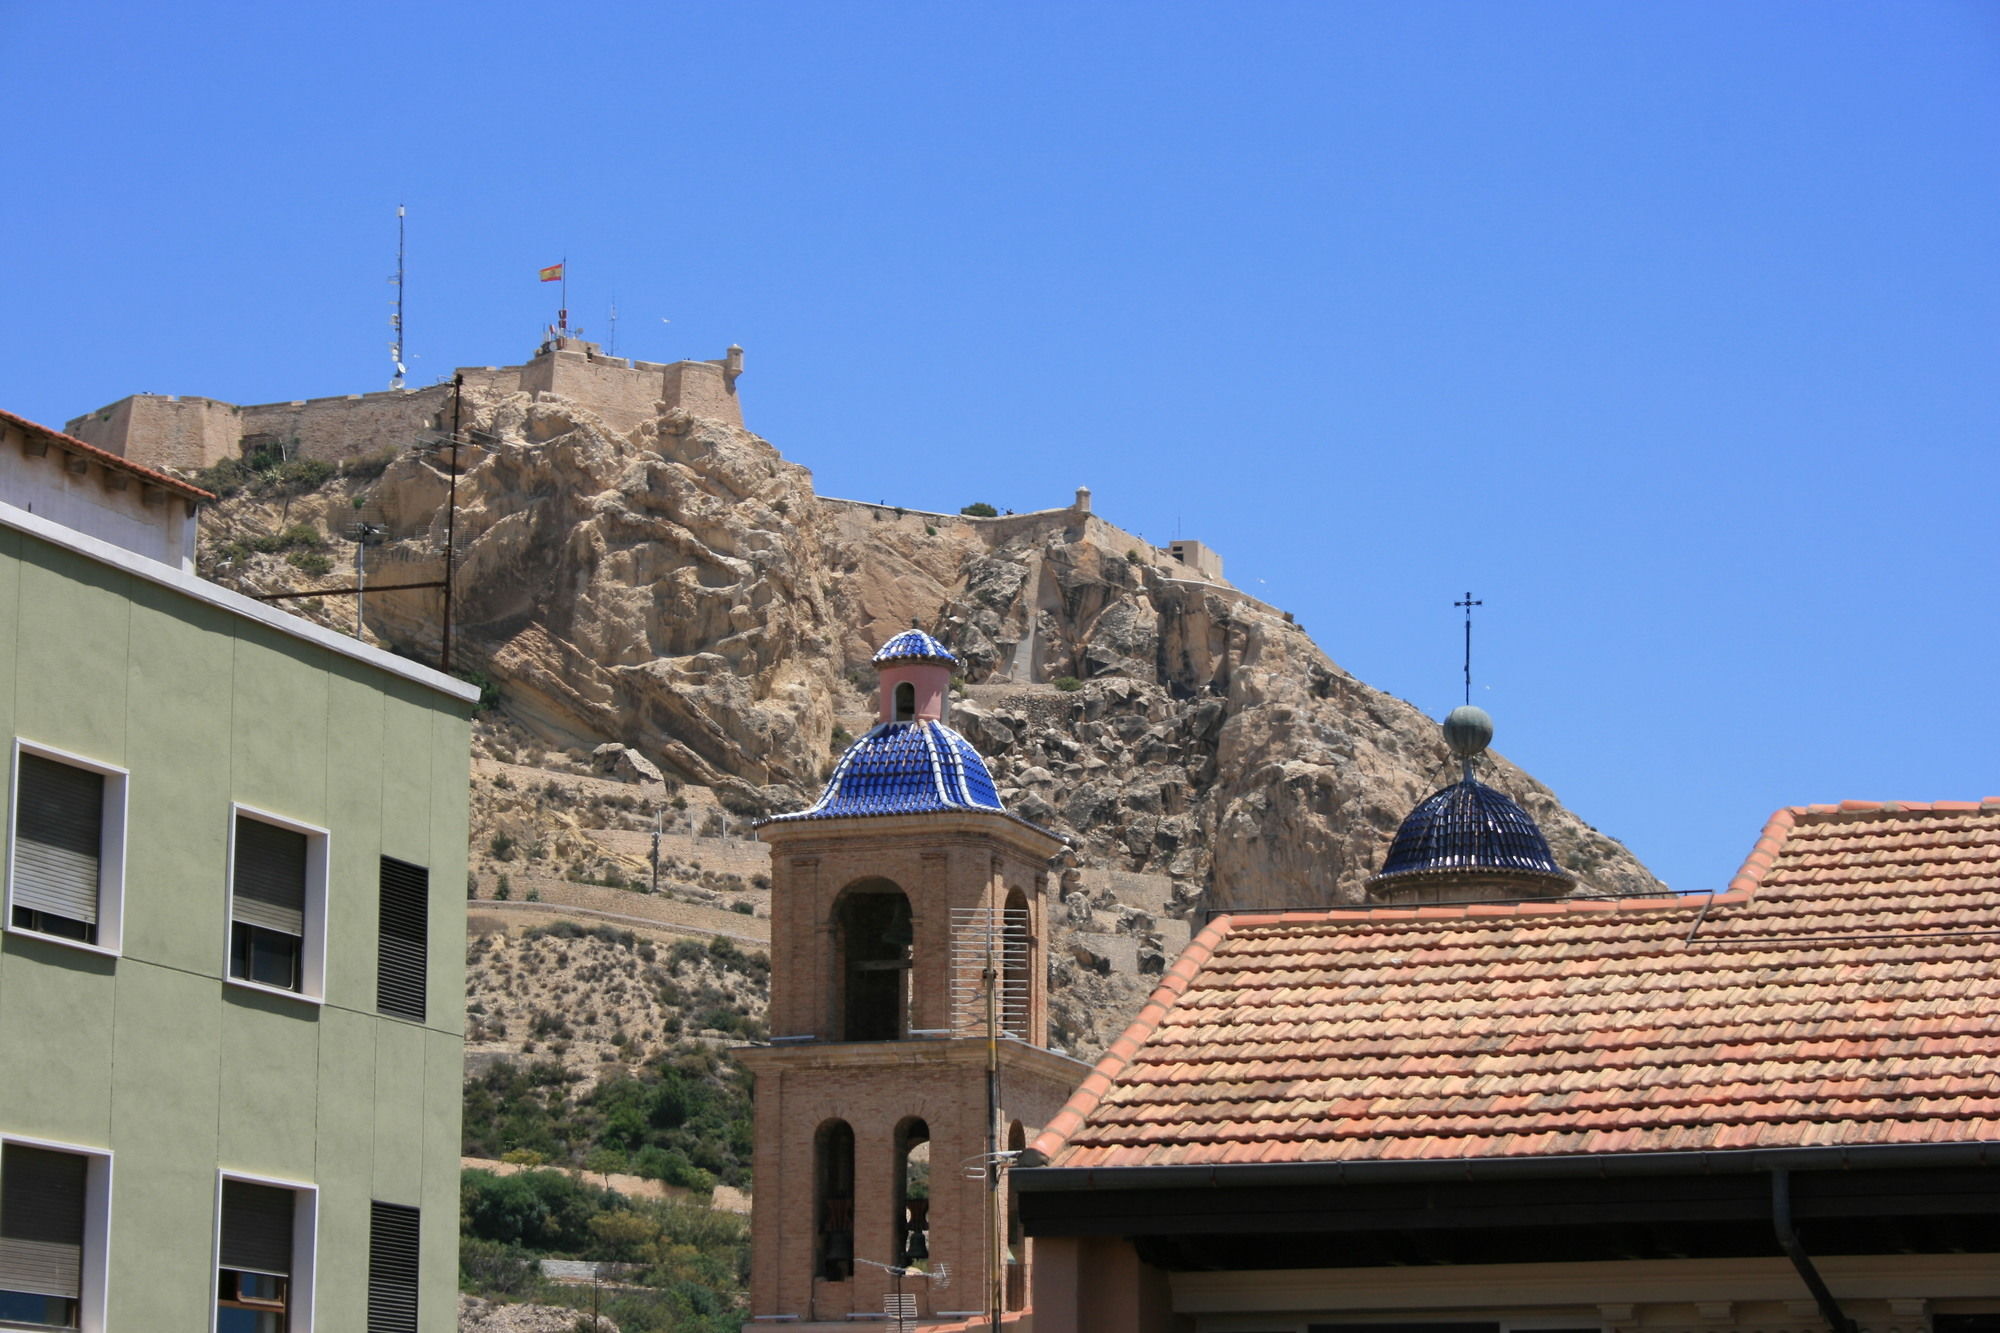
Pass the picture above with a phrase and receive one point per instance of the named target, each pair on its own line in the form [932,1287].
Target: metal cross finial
[1468,604]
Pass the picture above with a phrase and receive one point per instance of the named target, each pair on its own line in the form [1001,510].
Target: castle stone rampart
[190,433]
[355,426]
[183,432]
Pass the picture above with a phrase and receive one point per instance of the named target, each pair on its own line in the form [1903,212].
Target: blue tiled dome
[905,768]
[913,645]
[1469,827]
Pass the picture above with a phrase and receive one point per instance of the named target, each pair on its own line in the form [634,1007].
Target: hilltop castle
[163,431]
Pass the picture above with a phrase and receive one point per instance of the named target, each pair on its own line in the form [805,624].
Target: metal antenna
[1468,604]
[396,320]
[900,1307]
[362,534]
[611,343]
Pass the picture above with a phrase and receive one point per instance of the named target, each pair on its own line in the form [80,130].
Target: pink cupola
[915,678]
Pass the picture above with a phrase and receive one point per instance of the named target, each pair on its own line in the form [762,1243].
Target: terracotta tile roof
[1844,991]
[105,458]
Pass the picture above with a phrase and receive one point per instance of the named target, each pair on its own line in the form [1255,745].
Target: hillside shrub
[489,692]
[980,509]
[265,470]
[692,1100]
[369,466]
[1068,684]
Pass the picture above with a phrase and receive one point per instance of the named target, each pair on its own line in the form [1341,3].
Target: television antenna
[901,1306]
[990,960]
[396,320]
[363,535]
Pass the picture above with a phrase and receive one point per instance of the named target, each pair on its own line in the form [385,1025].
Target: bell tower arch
[900,899]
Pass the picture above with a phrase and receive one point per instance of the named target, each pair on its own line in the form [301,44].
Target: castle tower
[907,907]
[1468,842]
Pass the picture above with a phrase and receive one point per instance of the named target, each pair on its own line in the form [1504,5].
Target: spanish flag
[553,273]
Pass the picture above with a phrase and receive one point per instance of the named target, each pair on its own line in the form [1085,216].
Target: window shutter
[270,876]
[392,1269]
[58,829]
[257,1228]
[41,1221]
[402,947]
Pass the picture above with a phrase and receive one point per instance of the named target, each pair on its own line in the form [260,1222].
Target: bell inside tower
[875,940]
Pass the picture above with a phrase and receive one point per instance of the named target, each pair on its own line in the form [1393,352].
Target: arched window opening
[913,1192]
[1017,1240]
[1017,968]
[875,934]
[833,1201]
[906,702]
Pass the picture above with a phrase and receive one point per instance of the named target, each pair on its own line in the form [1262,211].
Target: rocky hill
[682,590]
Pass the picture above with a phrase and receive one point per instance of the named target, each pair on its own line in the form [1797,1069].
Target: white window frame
[93,1290]
[110,848]
[312,948]
[305,1244]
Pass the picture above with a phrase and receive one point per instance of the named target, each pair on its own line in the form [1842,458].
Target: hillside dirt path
[667,917]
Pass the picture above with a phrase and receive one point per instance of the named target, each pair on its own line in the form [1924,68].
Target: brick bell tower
[909,1025]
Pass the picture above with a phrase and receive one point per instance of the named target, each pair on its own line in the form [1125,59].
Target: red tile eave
[1091,1091]
[70,444]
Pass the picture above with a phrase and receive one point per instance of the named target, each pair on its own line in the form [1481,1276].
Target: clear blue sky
[1668,330]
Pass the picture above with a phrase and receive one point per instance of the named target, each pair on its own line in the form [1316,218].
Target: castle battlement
[187,431]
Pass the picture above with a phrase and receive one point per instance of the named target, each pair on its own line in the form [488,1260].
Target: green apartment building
[231,956]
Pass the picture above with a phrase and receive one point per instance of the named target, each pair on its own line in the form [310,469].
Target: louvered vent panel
[58,828]
[402,948]
[257,1228]
[393,1237]
[41,1221]
[270,876]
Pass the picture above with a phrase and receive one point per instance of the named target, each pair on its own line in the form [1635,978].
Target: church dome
[910,763]
[1469,829]
[906,768]
[913,645]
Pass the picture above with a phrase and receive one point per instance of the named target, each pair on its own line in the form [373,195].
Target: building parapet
[201,590]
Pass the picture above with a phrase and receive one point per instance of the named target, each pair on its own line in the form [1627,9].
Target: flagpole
[564,318]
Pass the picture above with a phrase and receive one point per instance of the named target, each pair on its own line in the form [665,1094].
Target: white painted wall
[42,486]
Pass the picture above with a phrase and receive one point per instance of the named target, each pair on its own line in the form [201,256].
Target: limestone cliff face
[681,589]
[665,589]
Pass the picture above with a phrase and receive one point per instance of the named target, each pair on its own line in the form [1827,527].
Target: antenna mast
[396,320]
[611,343]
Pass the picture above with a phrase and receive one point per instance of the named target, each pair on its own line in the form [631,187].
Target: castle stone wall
[191,433]
[620,394]
[180,432]
[702,389]
[355,426]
